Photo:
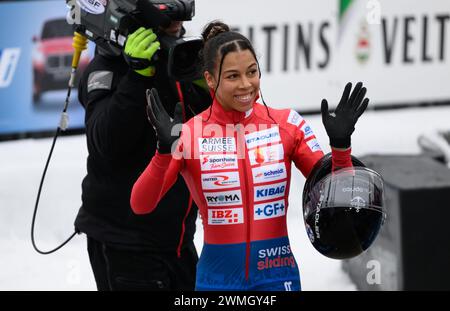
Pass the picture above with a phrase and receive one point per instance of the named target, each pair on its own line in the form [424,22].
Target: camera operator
[129,252]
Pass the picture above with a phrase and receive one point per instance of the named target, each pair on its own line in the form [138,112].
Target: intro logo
[9,58]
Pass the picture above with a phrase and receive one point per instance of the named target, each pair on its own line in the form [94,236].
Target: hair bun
[213,29]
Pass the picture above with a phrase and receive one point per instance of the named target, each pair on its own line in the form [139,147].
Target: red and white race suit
[238,169]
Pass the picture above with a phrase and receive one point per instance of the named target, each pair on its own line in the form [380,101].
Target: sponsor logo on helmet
[229,216]
[271,135]
[269,210]
[356,189]
[317,216]
[358,203]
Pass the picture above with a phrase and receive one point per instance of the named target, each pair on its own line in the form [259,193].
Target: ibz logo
[229,216]
[8,61]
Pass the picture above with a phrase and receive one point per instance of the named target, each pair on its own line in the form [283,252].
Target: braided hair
[219,41]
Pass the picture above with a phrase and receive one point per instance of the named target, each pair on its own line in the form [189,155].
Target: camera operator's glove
[140,47]
[341,124]
[162,122]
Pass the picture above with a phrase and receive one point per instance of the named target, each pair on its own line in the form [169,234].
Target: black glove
[162,122]
[341,124]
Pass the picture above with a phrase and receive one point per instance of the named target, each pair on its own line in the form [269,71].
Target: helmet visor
[355,188]
[345,211]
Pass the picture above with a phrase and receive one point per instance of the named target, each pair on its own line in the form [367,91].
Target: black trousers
[119,268]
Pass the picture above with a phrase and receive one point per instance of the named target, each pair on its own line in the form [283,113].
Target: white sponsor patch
[267,173]
[228,216]
[313,145]
[271,135]
[217,144]
[213,162]
[262,155]
[307,130]
[220,180]
[93,6]
[268,192]
[223,198]
[269,210]
[294,118]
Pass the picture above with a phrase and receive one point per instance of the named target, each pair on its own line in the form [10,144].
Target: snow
[22,163]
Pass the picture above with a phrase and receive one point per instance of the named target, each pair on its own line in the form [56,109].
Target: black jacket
[121,143]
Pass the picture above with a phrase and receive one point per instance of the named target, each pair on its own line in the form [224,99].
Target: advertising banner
[35,63]
[309,50]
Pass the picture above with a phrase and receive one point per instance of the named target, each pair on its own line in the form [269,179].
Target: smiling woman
[240,82]
[243,204]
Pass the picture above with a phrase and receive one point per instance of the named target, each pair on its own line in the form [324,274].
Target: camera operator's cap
[344,211]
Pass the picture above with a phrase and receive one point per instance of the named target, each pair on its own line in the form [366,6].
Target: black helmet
[344,210]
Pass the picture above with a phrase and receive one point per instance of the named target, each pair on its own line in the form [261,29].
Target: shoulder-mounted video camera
[108,23]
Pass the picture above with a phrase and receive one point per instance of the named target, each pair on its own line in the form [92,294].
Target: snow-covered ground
[22,163]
